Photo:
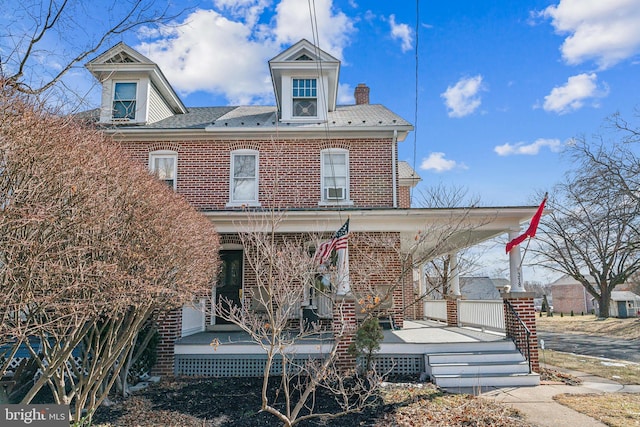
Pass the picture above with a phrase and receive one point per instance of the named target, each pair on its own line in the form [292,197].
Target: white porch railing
[435,309]
[481,313]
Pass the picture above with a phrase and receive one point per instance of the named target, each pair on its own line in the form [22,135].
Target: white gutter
[394,165]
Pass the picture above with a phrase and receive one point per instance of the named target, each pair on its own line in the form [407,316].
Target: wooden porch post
[515,268]
[454,290]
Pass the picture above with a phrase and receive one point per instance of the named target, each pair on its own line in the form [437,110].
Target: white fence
[435,309]
[481,313]
[478,313]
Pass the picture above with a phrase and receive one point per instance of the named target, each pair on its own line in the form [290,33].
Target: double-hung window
[305,98]
[124,100]
[335,175]
[164,164]
[244,178]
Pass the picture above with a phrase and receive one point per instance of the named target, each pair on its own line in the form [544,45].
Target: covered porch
[450,356]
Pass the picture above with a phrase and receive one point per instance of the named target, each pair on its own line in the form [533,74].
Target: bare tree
[41,41]
[592,230]
[91,246]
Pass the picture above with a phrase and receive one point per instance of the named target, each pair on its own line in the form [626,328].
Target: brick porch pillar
[452,310]
[522,303]
[344,328]
[169,329]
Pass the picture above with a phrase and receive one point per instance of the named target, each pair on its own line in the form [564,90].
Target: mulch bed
[235,402]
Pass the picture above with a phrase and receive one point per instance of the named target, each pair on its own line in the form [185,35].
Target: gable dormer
[134,90]
[305,81]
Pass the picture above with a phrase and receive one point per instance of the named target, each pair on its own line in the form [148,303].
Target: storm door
[229,284]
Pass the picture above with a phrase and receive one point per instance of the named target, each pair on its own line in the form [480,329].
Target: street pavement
[611,348]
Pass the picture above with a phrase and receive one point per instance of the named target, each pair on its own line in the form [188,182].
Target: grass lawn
[613,409]
[589,324]
[617,370]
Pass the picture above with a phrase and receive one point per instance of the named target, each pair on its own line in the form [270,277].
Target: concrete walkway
[537,403]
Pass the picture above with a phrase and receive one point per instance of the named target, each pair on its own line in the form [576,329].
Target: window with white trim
[124,100]
[244,177]
[335,175]
[164,165]
[305,98]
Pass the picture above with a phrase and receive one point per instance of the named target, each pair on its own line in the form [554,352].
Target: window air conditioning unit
[335,193]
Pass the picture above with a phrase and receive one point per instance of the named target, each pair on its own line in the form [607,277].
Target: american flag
[337,242]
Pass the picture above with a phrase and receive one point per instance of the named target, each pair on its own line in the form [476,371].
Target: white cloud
[225,51]
[573,95]
[293,23]
[202,55]
[437,163]
[604,31]
[528,149]
[345,94]
[462,98]
[401,32]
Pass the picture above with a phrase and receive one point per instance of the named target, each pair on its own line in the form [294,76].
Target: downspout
[394,166]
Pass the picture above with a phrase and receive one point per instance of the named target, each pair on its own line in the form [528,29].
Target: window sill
[337,203]
[244,205]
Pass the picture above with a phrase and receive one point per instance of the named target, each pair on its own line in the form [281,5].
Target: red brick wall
[523,305]
[571,297]
[344,328]
[404,197]
[289,170]
[170,329]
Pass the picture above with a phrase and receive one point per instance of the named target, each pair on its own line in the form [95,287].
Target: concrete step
[452,382]
[493,367]
[474,357]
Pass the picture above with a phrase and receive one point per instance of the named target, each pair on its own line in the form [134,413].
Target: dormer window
[124,100]
[305,98]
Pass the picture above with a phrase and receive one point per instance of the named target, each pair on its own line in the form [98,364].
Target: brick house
[319,161]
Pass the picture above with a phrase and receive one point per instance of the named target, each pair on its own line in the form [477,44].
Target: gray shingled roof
[365,115]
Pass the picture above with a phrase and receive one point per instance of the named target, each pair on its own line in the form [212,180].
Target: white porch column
[344,287]
[454,276]
[515,270]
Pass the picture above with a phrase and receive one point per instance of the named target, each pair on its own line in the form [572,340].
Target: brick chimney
[361,94]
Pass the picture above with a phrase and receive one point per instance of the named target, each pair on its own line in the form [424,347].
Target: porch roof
[459,227]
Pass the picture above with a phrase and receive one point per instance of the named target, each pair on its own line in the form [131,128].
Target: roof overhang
[423,232]
[259,133]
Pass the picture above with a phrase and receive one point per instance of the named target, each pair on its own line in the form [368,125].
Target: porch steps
[502,366]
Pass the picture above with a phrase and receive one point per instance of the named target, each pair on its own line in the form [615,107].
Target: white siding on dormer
[158,108]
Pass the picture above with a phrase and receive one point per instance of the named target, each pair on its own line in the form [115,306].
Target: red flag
[533,227]
[337,242]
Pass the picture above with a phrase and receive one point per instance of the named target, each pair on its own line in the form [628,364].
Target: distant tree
[41,41]
[91,246]
[437,271]
[592,228]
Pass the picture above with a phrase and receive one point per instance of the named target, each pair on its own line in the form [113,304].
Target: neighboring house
[320,161]
[623,304]
[479,288]
[569,295]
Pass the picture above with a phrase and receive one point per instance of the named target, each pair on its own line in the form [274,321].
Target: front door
[622,309]
[229,285]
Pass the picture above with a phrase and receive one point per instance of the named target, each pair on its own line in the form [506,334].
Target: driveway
[612,348]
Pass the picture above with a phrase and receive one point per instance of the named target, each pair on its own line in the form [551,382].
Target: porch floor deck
[413,332]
